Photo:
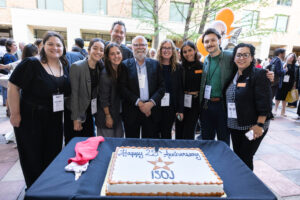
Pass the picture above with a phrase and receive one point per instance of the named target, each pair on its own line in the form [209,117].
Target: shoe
[292,106]
[283,115]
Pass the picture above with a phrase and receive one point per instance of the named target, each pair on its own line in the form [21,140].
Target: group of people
[125,93]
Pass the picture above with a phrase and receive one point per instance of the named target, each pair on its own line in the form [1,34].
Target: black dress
[39,136]
[286,86]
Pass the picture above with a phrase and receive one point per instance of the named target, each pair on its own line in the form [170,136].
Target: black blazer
[253,96]
[130,86]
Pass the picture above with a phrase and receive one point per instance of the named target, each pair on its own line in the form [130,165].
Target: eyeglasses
[242,55]
[139,45]
[166,48]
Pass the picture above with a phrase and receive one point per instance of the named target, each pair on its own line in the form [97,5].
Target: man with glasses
[218,71]
[142,88]
[118,34]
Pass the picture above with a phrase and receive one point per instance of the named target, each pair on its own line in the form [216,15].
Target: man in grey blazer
[142,88]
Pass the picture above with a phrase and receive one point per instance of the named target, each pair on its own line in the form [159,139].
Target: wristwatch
[260,124]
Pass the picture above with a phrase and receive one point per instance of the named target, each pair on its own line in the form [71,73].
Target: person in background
[118,34]
[142,88]
[286,83]
[39,44]
[172,103]
[36,91]
[249,104]
[191,75]
[108,118]
[178,54]
[84,77]
[20,50]
[79,43]
[2,47]
[258,63]
[298,87]
[151,53]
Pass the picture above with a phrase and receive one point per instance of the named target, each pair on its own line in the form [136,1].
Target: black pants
[274,91]
[245,148]
[88,126]
[69,132]
[168,115]
[214,121]
[185,129]
[39,140]
[149,126]
[298,109]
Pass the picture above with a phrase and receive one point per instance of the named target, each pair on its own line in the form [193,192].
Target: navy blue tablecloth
[56,183]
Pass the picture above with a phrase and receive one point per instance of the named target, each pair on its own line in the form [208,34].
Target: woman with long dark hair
[84,76]
[108,119]
[37,112]
[192,73]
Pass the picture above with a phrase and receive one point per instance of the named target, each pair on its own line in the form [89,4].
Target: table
[55,183]
[4,80]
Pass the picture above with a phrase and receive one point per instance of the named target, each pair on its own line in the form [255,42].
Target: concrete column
[72,33]
[264,48]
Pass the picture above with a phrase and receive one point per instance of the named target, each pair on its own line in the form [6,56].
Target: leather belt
[215,99]
[195,94]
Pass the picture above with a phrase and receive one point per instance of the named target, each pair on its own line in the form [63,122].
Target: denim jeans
[214,121]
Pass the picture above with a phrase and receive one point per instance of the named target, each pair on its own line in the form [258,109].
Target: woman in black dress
[36,112]
[286,82]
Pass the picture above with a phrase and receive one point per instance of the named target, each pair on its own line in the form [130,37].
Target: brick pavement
[277,161]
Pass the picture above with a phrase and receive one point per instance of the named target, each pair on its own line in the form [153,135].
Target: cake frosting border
[110,182]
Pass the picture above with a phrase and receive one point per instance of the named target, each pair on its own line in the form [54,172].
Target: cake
[141,171]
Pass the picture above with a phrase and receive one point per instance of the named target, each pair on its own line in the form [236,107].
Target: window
[142,9]
[250,19]
[39,33]
[280,23]
[178,11]
[88,36]
[284,2]
[2,3]
[95,7]
[50,4]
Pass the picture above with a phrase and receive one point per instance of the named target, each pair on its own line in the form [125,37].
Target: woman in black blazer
[249,104]
[84,77]
[172,102]
[108,118]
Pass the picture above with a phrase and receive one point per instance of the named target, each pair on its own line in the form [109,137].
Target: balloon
[220,26]
[226,15]
[200,47]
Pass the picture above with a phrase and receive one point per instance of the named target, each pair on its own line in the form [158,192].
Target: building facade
[27,20]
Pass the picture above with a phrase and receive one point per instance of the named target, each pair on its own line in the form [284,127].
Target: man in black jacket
[142,88]
[118,34]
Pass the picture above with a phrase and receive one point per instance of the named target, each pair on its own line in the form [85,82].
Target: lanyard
[211,75]
[55,81]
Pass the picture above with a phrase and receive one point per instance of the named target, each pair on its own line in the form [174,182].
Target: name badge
[207,92]
[94,106]
[199,71]
[142,78]
[231,110]
[58,102]
[165,101]
[187,100]
[286,78]
[241,85]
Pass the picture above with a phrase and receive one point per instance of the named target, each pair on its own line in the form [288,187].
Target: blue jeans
[214,121]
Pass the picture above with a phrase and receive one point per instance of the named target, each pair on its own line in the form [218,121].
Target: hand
[270,75]
[181,116]
[257,131]
[141,106]
[147,108]
[15,119]
[77,125]
[109,121]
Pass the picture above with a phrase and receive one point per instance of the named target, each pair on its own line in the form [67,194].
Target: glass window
[178,11]
[50,4]
[280,23]
[88,36]
[2,3]
[142,9]
[284,2]
[39,33]
[250,19]
[95,7]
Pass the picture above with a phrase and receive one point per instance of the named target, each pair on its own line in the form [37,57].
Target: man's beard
[139,56]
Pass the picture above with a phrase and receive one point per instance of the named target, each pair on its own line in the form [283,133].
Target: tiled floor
[277,161]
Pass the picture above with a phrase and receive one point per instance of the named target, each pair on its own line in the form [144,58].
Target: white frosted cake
[140,171]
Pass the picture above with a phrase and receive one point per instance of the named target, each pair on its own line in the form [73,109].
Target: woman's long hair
[174,57]
[193,46]
[107,63]
[29,51]
[43,55]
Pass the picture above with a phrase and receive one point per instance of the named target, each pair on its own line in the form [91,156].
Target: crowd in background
[114,90]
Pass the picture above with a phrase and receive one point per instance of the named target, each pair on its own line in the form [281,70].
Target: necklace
[52,71]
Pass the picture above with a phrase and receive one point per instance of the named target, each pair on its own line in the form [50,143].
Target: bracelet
[260,124]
